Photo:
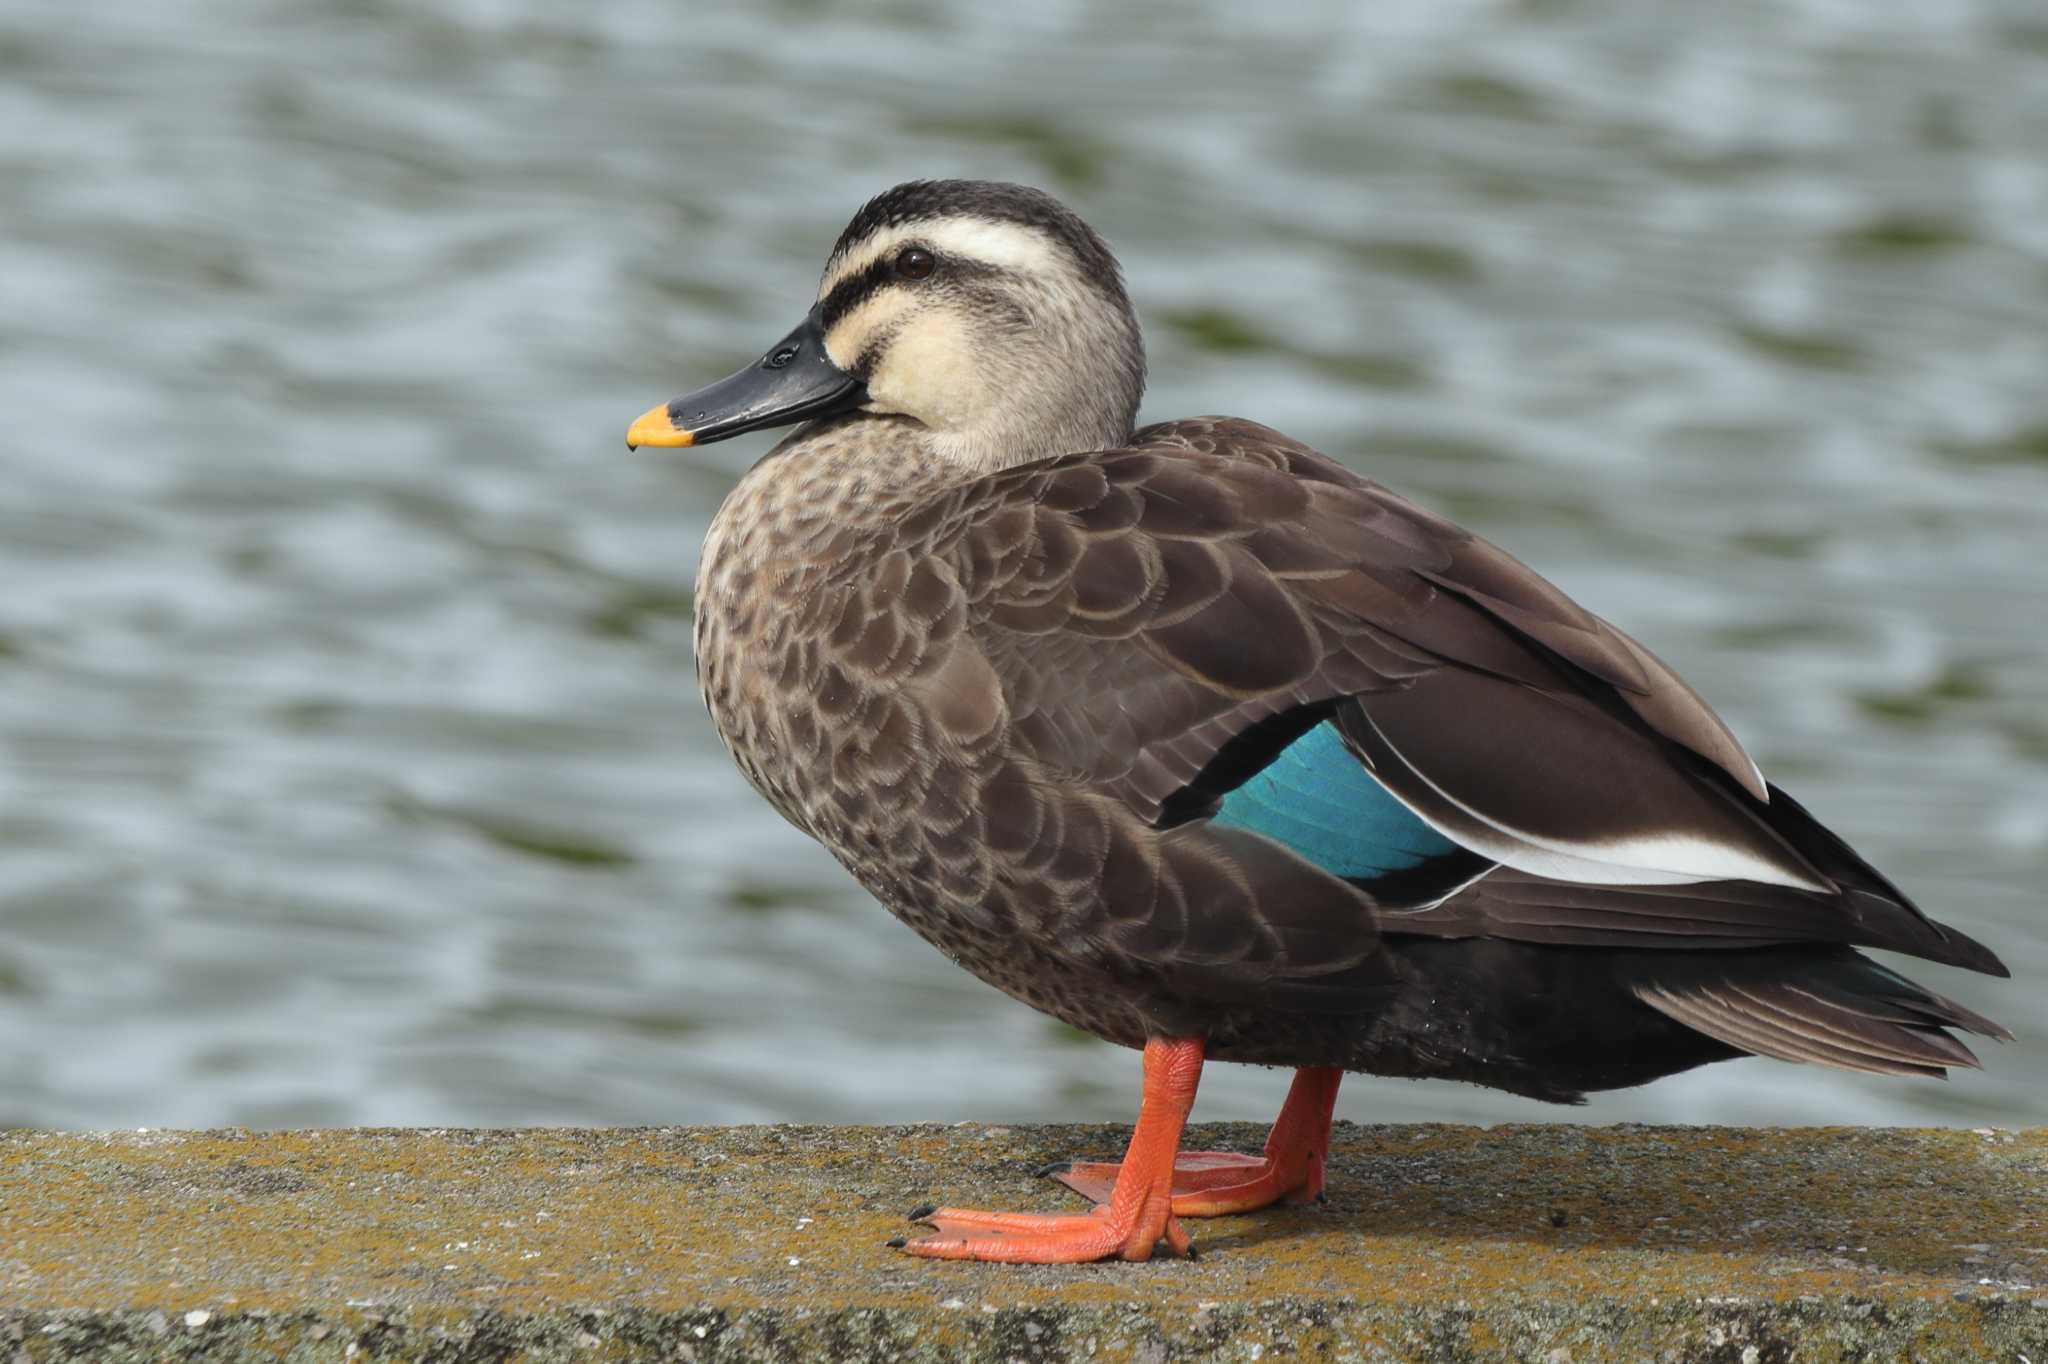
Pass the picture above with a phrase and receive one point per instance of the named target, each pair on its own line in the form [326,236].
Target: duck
[1199,741]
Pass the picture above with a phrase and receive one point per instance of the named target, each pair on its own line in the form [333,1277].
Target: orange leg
[1213,1183]
[1136,1213]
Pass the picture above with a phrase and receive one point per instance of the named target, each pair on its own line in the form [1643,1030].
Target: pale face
[984,332]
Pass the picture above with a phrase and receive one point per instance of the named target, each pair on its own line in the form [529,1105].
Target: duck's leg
[1135,1214]
[1213,1183]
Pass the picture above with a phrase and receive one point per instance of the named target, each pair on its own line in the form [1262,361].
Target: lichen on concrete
[739,1244]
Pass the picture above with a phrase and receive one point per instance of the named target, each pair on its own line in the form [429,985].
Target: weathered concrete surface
[698,1244]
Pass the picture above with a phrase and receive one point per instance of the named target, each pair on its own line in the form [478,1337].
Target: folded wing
[1218,602]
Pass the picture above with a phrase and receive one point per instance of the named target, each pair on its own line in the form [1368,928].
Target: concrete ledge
[715,1244]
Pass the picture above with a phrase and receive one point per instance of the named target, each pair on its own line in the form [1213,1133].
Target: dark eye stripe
[855,290]
[850,293]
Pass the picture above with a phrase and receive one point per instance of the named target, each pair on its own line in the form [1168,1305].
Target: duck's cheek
[928,369]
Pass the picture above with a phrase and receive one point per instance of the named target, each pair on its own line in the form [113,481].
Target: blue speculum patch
[1319,800]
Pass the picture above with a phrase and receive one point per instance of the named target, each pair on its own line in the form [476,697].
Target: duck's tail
[1834,1007]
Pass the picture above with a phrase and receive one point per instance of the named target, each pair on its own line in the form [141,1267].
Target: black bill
[795,381]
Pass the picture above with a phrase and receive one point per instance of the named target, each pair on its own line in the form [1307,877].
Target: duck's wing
[1167,620]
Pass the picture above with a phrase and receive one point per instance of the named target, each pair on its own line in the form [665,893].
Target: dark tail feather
[1835,1008]
[1869,897]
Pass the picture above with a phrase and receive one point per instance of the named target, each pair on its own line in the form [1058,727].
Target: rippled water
[353,770]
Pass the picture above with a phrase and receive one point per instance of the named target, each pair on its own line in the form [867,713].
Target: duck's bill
[796,380]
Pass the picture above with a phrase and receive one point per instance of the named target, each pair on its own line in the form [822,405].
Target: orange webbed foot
[1046,1238]
[1134,1218]
[1210,1183]
[1218,1183]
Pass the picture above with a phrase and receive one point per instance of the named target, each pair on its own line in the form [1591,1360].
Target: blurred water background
[351,766]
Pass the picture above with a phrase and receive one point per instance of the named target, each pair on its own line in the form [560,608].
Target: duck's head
[986,313]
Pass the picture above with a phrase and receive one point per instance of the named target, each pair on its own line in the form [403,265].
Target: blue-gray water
[351,768]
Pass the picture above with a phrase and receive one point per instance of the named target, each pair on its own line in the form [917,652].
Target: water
[353,770]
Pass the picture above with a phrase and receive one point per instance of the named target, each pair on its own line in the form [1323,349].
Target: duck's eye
[914,262]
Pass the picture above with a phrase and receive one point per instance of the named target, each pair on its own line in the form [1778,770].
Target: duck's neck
[830,480]
[1021,433]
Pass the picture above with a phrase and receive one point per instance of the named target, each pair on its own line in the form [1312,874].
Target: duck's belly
[994,939]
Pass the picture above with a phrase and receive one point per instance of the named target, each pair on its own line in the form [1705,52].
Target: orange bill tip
[655,428]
